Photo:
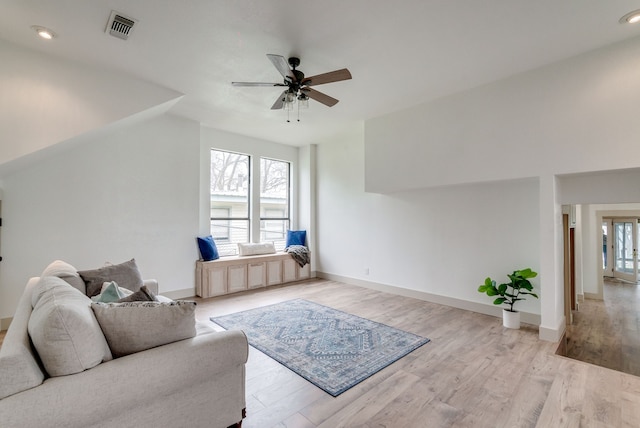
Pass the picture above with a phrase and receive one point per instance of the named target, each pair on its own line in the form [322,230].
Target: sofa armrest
[152,285]
[134,381]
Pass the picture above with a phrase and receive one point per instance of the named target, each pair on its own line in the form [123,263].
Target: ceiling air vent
[120,26]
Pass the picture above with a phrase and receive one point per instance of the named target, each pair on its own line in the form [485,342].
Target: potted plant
[509,293]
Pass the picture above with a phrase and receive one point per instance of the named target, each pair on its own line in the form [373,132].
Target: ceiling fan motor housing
[294,62]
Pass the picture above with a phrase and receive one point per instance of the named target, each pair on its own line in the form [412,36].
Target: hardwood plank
[474,372]
[607,332]
[359,411]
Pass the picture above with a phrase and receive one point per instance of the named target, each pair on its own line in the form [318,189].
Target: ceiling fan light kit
[298,89]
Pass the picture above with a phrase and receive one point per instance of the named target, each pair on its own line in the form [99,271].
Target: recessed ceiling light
[631,17]
[44,32]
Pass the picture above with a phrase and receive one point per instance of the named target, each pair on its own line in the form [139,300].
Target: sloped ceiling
[48,101]
[400,53]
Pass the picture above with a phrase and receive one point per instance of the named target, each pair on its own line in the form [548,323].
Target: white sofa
[195,382]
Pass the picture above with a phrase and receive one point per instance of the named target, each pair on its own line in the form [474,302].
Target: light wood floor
[607,332]
[473,373]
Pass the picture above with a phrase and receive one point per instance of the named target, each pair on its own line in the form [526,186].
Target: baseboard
[496,311]
[184,293]
[580,297]
[5,323]
[553,334]
[593,296]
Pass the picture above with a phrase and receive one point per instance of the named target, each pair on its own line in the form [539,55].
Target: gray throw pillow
[142,295]
[125,274]
[135,326]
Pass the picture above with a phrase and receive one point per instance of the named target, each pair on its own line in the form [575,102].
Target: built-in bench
[233,274]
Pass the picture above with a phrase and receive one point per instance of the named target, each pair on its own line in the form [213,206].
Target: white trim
[5,323]
[593,296]
[180,294]
[496,311]
[553,334]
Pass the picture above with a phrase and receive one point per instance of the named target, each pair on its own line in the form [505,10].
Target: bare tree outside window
[229,200]
[229,172]
[274,201]
[231,184]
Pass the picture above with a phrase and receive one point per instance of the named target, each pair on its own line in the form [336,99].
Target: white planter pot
[511,319]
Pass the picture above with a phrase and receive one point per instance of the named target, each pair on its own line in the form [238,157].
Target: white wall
[443,241]
[44,100]
[554,120]
[574,116]
[307,198]
[132,194]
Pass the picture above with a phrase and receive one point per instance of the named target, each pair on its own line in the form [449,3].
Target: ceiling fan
[298,86]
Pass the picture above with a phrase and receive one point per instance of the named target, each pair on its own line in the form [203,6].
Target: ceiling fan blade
[279,104]
[281,65]
[332,76]
[257,84]
[320,97]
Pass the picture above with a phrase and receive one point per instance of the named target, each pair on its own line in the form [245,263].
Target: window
[221,229]
[229,200]
[274,201]
[232,218]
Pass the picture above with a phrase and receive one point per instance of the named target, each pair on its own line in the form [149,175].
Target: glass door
[625,237]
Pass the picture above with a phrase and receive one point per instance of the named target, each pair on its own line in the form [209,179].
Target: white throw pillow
[256,249]
[64,330]
[60,268]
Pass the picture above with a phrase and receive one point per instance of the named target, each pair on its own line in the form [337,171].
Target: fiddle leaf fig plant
[510,292]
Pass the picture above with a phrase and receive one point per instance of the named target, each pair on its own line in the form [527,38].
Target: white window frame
[254,190]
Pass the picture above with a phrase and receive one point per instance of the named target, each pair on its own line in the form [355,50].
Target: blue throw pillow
[208,249]
[296,237]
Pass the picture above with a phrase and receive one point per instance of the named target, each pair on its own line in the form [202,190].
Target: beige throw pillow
[256,249]
[64,270]
[64,330]
[135,326]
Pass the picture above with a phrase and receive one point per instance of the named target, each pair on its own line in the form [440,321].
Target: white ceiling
[400,53]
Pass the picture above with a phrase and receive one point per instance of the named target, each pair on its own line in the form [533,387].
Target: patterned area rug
[332,349]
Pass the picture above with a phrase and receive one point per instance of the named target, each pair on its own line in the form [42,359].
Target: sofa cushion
[19,367]
[256,248]
[64,330]
[125,274]
[67,272]
[135,326]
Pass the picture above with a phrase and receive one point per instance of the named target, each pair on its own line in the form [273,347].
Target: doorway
[620,248]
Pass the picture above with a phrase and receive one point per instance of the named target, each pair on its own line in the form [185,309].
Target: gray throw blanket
[300,254]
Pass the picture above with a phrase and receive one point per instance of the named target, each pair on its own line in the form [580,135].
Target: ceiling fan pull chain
[298,111]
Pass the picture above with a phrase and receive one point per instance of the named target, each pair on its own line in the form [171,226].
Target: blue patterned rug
[332,349]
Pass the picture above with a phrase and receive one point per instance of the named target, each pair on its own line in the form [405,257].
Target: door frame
[633,276]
